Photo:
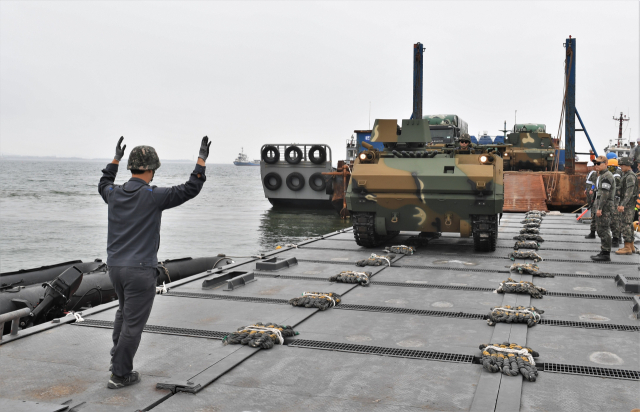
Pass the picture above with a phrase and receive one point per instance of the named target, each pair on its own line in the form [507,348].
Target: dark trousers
[136,289]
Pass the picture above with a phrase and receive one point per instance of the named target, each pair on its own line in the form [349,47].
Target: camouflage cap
[143,158]
[625,161]
[465,138]
[601,159]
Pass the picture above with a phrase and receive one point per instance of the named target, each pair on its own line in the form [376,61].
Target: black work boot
[117,382]
[602,257]
[615,241]
[591,235]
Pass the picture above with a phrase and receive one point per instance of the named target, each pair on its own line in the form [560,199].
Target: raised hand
[204,148]
[120,149]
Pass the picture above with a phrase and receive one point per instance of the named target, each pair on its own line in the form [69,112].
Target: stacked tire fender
[293,155]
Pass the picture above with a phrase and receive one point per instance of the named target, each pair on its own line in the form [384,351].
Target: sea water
[51,212]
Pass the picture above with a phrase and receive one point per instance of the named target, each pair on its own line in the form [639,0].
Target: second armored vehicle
[531,148]
[407,187]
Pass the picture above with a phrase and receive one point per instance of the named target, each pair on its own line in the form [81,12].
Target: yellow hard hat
[612,162]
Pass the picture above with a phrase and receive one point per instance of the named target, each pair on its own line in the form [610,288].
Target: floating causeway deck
[408,341]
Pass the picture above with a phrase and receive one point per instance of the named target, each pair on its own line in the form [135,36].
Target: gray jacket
[135,213]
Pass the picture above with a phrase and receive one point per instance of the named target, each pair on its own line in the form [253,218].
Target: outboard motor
[57,294]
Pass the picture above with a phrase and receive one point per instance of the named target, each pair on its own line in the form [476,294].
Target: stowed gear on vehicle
[410,186]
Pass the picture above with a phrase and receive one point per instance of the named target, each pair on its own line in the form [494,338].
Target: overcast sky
[74,76]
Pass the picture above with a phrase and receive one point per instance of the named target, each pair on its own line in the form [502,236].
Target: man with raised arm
[135,213]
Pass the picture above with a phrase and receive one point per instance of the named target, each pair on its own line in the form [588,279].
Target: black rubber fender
[312,182]
[270,159]
[290,184]
[320,158]
[289,159]
[273,186]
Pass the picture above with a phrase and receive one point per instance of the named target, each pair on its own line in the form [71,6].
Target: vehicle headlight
[363,156]
[484,159]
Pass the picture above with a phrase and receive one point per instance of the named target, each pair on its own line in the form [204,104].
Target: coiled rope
[528,254]
[511,286]
[532,225]
[530,269]
[530,230]
[348,276]
[519,314]
[319,300]
[405,250]
[529,236]
[532,220]
[260,335]
[526,244]
[376,260]
[511,359]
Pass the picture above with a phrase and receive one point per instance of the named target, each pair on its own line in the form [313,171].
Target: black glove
[204,148]
[120,150]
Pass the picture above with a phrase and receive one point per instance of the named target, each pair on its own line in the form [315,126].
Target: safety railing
[14,318]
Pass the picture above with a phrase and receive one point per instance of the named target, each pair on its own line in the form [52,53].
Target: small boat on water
[243,160]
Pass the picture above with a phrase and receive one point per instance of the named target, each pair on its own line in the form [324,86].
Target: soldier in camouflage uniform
[605,194]
[616,217]
[465,142]
[589,190]
[628,195]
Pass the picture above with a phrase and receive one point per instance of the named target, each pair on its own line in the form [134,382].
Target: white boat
[243,160]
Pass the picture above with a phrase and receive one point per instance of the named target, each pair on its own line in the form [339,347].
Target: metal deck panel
[461,261]
[586,310]
[391,330]
[297,379]
[71,362]
[586,347]
[212,314]
[331,256]
[416,277]
[270,288]
[424,298]
[560,392]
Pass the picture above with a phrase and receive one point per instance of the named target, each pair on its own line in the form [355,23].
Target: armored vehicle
[407,187]
[531,148]
[445,128]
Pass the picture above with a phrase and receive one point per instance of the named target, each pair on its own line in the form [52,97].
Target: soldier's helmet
[625,161]
[143,158]
[612,162]
[465,138]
